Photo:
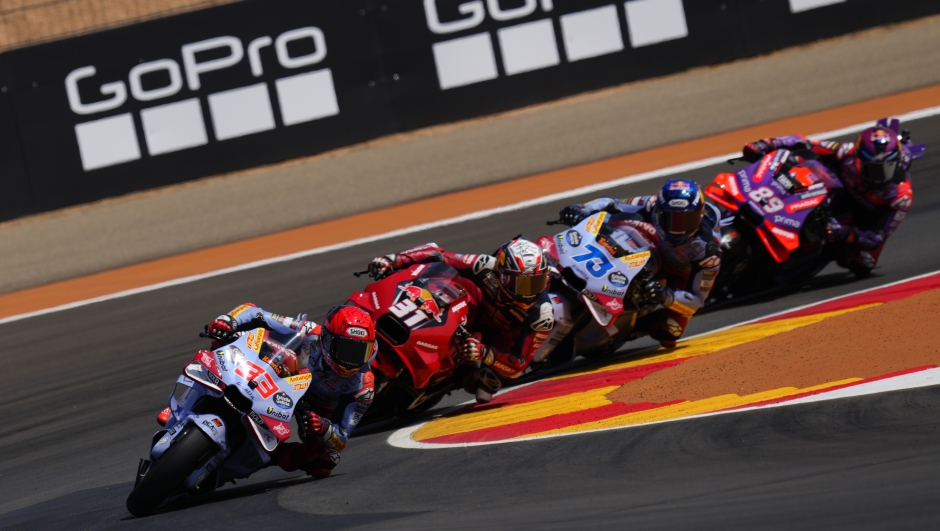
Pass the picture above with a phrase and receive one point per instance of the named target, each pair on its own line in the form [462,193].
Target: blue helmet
[679,209]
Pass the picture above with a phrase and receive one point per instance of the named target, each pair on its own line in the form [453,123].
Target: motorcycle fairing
[606,259]
[774,201]
[428,301]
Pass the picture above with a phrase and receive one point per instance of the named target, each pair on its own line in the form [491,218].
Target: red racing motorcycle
[420,314]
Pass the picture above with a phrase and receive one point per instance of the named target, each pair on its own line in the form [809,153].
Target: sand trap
[866,343]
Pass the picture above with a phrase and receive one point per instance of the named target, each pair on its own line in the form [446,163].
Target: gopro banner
[256,82]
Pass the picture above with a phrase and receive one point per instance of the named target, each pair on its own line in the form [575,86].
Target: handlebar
[358,274]
[736,159]
[556,222]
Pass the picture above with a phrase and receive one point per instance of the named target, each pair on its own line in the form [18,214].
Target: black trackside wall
[261,81]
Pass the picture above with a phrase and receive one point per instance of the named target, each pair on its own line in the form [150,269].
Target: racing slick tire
[168,473]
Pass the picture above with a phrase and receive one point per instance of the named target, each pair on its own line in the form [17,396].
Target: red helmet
[348,339]
[522,269]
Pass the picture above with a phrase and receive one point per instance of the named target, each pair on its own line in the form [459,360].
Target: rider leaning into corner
[874,172]
[337,354]
[514,313]
[685,234]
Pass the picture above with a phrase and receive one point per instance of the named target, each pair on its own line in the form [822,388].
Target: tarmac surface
[590,127]
[82,387]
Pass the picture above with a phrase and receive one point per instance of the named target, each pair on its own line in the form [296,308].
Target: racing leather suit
[511,331]
[341,402]
[689,267]
[875,213]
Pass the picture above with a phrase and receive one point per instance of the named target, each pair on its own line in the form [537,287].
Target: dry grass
[25,22]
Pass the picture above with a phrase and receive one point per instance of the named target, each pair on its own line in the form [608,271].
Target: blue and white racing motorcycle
[230,410]
[595,297]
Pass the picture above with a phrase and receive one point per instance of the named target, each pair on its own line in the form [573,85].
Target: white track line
[401,438]
[655,174]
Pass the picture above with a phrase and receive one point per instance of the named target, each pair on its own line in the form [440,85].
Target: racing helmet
[879,151]
[348,339]
[679,209]
[522,270]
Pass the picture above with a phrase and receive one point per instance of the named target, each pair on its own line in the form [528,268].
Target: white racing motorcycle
[230,410]
[596,300]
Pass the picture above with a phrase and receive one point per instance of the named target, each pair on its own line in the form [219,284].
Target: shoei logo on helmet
[355,331]
[678,203]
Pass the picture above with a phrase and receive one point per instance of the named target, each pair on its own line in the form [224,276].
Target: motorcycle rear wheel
[168,472]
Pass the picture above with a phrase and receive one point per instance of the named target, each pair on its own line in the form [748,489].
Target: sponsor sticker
[277,413]
[594,223]
[804,204]
[617,279]
[783,233]
[613,292]
[240,310]
[710,262]
[217,422]
[300,378]
[356,331]
[678,203]
[573,237]
[282,401]
[459,306]
[255,339]
[211,427]
[682,309]
[426,345]
[281,430]
[301,386]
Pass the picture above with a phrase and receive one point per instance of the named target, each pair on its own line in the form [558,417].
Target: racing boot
[484,383]
[163,417]
[314,459]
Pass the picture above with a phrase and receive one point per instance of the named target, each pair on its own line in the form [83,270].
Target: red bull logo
[880,136]
[424,300]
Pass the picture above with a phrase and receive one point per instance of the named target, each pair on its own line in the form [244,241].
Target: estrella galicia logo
[617,278]
[282,401]
[573,238]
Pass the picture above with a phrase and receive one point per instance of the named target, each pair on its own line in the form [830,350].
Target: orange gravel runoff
[878,340]
[873,341]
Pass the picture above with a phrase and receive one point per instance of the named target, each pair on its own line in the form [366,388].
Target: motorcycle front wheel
[169,472]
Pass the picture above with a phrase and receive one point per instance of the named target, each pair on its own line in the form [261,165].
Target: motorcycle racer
[337,355]
[685,233]
[514,314]
[874,171]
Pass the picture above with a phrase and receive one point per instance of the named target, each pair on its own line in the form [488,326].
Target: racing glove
[837,232]
[222,331]
[315,424]
[571,215]
[383,266]
[653,292]
[473,350]
[755,150]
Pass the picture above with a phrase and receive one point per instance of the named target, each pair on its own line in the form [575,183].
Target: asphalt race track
[81,389]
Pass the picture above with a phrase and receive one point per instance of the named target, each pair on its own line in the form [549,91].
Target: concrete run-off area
[401,168]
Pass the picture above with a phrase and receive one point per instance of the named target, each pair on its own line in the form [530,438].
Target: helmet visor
[880,173]
[350,354]
[680,221]
[525,286]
